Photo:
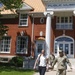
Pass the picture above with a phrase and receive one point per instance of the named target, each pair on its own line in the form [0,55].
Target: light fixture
[6,34]
[41,33]
[51,12]
[22,33]
[74,12]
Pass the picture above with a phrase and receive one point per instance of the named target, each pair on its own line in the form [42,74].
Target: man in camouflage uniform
[61,60]
[51,58]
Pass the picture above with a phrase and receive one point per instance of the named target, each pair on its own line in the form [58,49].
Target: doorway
[66,44]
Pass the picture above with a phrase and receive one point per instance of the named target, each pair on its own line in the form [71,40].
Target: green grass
[15,71]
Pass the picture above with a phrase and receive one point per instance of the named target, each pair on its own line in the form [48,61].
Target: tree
[11,4]
[8,5]
[3,29]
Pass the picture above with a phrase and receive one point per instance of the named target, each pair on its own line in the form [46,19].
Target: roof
[37,5]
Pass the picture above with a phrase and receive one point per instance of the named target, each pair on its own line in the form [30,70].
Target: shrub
[17,61]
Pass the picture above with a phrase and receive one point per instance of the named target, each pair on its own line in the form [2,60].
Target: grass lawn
[14,71]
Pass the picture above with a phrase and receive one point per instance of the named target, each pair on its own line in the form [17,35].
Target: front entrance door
[40,44]
[66,44]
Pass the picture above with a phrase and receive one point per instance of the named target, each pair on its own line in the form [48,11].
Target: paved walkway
[69,72]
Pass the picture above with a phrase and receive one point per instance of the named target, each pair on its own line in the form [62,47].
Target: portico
[64,10]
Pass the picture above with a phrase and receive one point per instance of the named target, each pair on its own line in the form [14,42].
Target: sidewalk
[69,72]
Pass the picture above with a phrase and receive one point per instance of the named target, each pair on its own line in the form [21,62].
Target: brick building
[39,24]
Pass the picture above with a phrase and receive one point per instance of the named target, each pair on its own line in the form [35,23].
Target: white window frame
[23,19]
[64,25]
[2,51]
[18,44]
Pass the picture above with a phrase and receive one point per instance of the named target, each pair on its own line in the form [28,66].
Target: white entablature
[59,5]
[56,1]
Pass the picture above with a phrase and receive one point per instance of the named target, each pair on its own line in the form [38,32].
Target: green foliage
[8,4]
[3,29]
[17,61]
[11,4]
[4,70]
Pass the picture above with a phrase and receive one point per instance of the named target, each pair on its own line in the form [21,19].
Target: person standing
[42,63]
[51,59]
[65,54]
[61,60]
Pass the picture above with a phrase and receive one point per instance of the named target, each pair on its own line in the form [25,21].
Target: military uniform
[61,67]
[51,59]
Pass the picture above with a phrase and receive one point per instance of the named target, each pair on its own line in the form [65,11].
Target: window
[55,47]
[41,20]
[62,19]
[23,20]
[5,44]
[66,19]
[64,22]
[40,47]
[22,44]
[71,48]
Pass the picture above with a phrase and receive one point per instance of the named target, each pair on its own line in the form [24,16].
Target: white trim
[42,20]
[7,52]
[65,36]
[20,19]
[32,27]
[32,34]
[4,52]
[7,56]
[69,6]
[62,9]
[51,13]
[52,1]
[25,7]
[25,51]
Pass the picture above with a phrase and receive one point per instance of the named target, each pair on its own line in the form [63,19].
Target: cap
[60,50]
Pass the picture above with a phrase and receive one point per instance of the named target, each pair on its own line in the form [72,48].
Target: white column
[48,33]
[57,50]
[74,12]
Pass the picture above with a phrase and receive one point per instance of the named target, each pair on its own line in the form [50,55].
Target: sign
[61,5]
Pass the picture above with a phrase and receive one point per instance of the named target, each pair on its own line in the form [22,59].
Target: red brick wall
[39,27]
[55,33]
[14,28]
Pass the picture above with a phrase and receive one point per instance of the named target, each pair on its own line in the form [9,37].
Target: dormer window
[23,20]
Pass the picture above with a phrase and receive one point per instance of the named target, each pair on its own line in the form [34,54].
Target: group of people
[45,63]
